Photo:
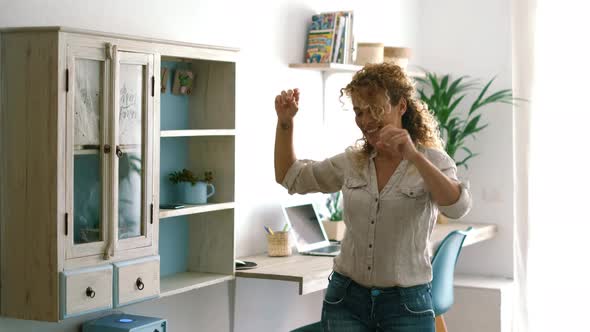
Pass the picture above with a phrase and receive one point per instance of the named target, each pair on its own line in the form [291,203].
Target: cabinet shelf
[186,281]
[198,132]
[339,67]
[194,209]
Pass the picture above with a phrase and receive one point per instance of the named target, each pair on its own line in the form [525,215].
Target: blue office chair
[443,271]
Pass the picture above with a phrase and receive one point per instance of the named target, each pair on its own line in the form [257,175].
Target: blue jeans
[350,307]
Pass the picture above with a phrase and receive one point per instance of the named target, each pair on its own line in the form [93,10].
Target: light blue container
[197,194]
[125,323]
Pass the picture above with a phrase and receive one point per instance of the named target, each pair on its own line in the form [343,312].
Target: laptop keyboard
[327,249]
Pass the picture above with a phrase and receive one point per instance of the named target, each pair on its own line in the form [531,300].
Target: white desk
[311,272]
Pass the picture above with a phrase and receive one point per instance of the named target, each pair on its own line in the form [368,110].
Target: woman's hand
[397,141]
[287,105]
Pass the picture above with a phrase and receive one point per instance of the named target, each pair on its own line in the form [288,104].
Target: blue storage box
[125,323]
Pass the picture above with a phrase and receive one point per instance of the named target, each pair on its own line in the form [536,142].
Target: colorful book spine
[320,38]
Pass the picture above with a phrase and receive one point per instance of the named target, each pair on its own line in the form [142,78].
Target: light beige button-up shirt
[387,232]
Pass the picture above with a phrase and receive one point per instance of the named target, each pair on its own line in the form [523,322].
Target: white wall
[270,34]
[464,37]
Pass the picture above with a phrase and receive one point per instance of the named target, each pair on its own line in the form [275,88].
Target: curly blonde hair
[375,84]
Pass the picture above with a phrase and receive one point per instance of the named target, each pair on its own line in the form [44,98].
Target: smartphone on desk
[171,206]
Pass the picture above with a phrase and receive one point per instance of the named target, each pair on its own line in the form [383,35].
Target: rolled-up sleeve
[446,164]
[308,176]
[461,207]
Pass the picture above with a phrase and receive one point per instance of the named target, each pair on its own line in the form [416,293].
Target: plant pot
[397,55]
[196,194]
[334,229]
[369,53]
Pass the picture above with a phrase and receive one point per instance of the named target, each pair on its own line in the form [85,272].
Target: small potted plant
[192,189]
[334,225]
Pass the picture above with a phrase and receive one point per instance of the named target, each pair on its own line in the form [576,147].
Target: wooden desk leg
[440,324]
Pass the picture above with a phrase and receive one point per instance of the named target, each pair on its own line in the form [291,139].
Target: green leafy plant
[334,206]
[457,123]
[184,79]
[187,176]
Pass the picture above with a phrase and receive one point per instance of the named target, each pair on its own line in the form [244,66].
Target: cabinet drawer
[86,290]
[136,280]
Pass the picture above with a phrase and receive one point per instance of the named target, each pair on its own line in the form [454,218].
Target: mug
[197,194]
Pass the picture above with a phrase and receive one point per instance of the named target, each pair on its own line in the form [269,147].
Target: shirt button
[369,268]
[372,221]
[370,246]
[376,199]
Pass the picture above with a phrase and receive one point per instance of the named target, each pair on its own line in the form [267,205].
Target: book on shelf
[343,53]
[339,36]
[320,38]
[330,38]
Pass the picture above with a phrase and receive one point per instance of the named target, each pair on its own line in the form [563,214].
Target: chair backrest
[443,270]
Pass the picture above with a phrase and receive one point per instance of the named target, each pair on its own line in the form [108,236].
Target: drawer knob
[90,292]
[139,284]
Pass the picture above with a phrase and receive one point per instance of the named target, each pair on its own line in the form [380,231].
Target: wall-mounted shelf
[339,68]
[194,209]
[198,132]
[186,281]
[330,67]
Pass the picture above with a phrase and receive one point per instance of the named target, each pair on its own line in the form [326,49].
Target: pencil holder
[278,244]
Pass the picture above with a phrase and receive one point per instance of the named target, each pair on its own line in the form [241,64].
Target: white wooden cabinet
[81,171]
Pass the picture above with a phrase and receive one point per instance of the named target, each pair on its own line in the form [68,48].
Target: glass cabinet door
[87,77]
[132,124]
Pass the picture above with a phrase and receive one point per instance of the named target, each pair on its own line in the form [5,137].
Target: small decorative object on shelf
[369,53]
[163,79]
[397,55]
[183,82]
[193,190]
[334,225]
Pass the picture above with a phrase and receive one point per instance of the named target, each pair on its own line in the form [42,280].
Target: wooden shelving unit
[197,132]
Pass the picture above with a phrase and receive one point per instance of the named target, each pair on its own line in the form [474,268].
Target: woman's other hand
[397,141]
[287,105]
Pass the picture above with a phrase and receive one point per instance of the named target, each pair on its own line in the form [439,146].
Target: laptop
[310,236]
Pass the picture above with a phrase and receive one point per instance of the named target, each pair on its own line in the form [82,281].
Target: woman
[393,185]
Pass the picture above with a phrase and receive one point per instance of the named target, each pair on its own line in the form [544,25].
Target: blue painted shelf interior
[174,109]
[174,115]
[174,242]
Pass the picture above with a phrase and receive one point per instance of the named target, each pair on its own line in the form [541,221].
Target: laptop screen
[306,225]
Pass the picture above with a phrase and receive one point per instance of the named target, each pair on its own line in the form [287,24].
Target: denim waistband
[401,291]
